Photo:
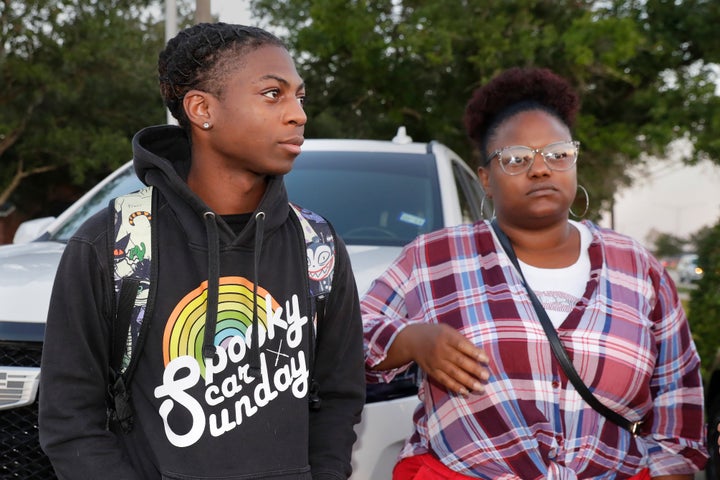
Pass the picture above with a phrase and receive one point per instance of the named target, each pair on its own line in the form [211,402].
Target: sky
[668,197]
[232,11]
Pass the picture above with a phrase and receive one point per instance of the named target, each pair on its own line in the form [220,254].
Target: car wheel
[712,470]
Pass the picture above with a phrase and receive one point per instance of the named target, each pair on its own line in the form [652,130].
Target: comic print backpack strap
[131,217]
[320,249]
[320,246]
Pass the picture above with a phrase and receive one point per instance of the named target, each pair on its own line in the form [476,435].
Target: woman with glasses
[477,308]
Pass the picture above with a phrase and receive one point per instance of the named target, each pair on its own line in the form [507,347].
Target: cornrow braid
[513,91]
[200,56]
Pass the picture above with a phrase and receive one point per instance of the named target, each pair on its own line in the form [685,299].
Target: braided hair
[200,57]
[513,91]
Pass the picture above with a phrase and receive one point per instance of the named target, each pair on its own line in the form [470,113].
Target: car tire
[712,470]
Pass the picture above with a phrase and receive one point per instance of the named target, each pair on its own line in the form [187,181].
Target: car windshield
[371,199]
[125,182]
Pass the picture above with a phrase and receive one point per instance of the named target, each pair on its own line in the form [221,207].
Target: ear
[484,176]
[197,108]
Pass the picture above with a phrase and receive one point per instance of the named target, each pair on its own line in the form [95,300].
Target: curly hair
[513,91]
[200,57]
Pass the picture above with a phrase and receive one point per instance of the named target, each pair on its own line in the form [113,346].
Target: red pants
[427,467]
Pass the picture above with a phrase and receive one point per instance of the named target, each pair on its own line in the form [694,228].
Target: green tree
[704,313]
[79,78]
[668,245]
[643,69]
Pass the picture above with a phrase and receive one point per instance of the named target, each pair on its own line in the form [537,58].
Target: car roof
[364,146]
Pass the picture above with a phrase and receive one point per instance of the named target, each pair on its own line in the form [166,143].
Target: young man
[227,353]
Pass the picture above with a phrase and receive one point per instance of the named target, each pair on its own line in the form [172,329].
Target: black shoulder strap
[123,314]
[558,349]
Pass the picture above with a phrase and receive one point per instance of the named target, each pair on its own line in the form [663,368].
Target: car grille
[20,453]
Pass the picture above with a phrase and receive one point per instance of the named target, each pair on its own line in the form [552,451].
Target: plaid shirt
[628,337]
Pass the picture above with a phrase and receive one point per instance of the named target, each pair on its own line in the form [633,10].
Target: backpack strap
[320,249]
[131,217]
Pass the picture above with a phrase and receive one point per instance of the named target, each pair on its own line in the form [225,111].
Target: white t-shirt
[559,289]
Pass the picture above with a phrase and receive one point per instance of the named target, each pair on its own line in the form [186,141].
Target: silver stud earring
[206,125]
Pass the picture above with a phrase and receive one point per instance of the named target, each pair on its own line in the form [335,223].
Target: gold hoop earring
[482,207]
[587,204]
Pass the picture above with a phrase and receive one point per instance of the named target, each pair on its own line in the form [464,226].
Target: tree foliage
[643,69]
[668,245]
[79,79]
[704,308]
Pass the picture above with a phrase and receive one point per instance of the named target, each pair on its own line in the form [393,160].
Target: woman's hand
[444,354]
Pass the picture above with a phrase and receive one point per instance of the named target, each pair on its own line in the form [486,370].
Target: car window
[469,194]
[370,198]
[125,182]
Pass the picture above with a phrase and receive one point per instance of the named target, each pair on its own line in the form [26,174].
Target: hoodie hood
[161,157]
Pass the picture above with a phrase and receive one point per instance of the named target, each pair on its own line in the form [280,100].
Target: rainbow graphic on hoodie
[185,329]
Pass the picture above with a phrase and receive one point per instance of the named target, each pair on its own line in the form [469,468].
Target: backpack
[132,253]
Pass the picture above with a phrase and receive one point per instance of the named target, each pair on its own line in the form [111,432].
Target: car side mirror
[32,229]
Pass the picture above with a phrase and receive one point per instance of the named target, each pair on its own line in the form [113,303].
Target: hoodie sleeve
[339,371]
[72,412]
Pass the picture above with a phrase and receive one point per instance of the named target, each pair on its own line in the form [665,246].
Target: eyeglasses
[517,159]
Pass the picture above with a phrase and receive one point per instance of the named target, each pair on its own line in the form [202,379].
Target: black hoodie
[243,414]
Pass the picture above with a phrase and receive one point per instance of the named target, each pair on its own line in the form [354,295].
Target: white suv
[379,195]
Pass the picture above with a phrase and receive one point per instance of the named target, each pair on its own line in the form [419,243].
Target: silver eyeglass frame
[535,151]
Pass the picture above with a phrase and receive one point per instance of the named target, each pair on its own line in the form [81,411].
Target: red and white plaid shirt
[628,337]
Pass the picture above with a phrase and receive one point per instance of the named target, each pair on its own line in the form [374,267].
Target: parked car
[670,262]
[687,268]
[378,194]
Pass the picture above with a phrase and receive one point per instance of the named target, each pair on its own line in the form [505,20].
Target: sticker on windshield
[411,219]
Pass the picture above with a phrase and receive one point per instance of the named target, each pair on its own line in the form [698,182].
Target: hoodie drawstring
[213,289]
[255,348]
